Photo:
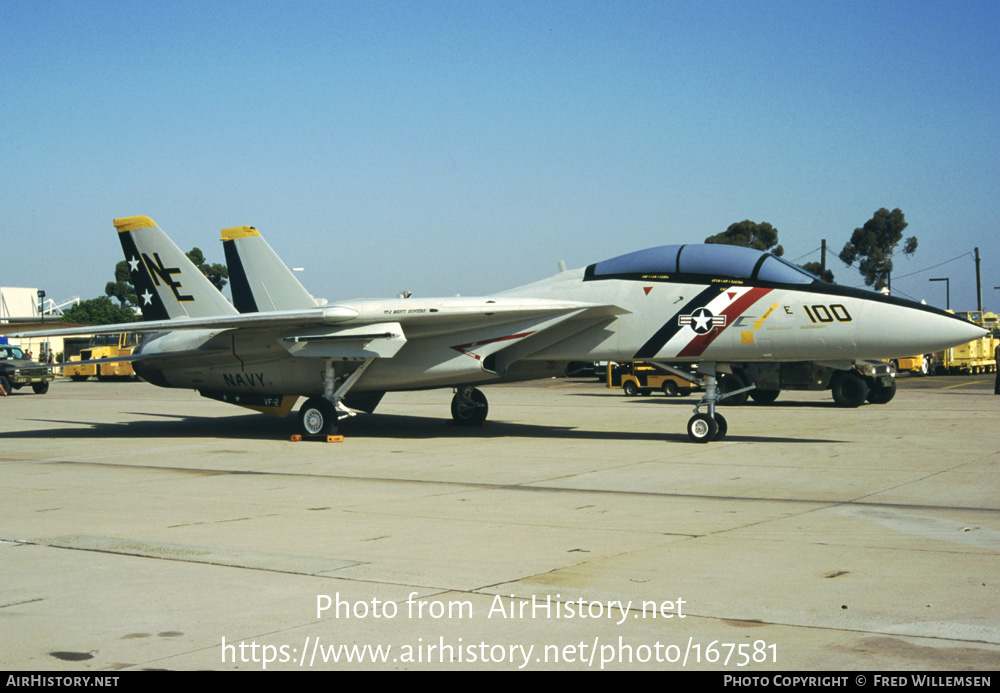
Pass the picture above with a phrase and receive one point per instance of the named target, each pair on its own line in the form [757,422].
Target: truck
[16,370]
[851,384]
[641,378]
[977,356]
[103,347]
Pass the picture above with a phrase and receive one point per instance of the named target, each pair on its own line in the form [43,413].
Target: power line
[905,295]
[807,254]
[925,269]
[903,276]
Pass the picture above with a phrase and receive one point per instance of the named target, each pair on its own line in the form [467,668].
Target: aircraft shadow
[693,399]
[381,426]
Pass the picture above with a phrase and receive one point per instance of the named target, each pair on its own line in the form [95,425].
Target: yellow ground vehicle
[640,378]
[102,347]
[978,355]
[920,365]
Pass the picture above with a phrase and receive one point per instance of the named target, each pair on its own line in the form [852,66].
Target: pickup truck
[16,371]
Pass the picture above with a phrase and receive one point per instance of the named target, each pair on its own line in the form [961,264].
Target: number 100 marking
[821,313]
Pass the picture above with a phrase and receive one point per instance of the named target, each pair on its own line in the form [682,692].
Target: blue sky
[467,147]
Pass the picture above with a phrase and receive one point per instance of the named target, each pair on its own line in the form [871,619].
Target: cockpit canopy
[728,261]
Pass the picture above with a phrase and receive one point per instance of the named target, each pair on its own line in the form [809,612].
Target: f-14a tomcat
[706,304]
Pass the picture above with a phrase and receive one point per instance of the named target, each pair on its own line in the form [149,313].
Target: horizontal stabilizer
[156,357]
[286,318]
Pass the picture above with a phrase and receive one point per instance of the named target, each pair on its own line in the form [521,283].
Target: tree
[98,311]
[750,234]
[874,246]
[217,273]
[817,269]
[121,288]
[762,236]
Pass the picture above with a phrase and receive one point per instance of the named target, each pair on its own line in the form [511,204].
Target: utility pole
[979,286]
[822,259]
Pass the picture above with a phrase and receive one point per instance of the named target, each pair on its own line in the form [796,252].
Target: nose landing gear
[709,425]
[703,427]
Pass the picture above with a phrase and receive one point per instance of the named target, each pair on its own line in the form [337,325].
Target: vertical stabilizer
[167,283]
[258,278]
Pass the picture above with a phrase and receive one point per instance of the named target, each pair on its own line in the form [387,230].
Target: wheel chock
[298,437]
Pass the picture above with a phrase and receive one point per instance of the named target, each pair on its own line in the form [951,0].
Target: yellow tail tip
[239,232]
[133,223]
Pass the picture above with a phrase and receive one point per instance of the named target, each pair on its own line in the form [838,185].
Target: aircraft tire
[849,389]
[471,410]
[317,417]
[882,395]
[764,396]
[720,420]
[729,382]
[702,428]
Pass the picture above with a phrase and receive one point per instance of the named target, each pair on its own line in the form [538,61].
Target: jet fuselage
[719,320]
[707,304]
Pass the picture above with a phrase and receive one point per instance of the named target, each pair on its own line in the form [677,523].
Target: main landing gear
[469,406]
[319,415]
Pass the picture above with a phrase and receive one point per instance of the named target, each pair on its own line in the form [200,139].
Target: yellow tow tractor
[919,365]
[102,347]
[641,378]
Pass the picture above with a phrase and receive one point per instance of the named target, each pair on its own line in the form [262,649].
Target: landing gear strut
[319,415]
[710,425]
[703,427]
[469,406]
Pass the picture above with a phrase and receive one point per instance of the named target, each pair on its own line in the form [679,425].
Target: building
[18,304]
[21,312]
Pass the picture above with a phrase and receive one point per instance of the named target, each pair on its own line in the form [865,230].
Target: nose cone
[905,328]
[952,331]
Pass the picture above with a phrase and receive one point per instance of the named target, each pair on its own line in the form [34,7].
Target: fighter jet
[706,304]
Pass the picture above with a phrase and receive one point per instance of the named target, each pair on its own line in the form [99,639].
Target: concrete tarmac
[144,528]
